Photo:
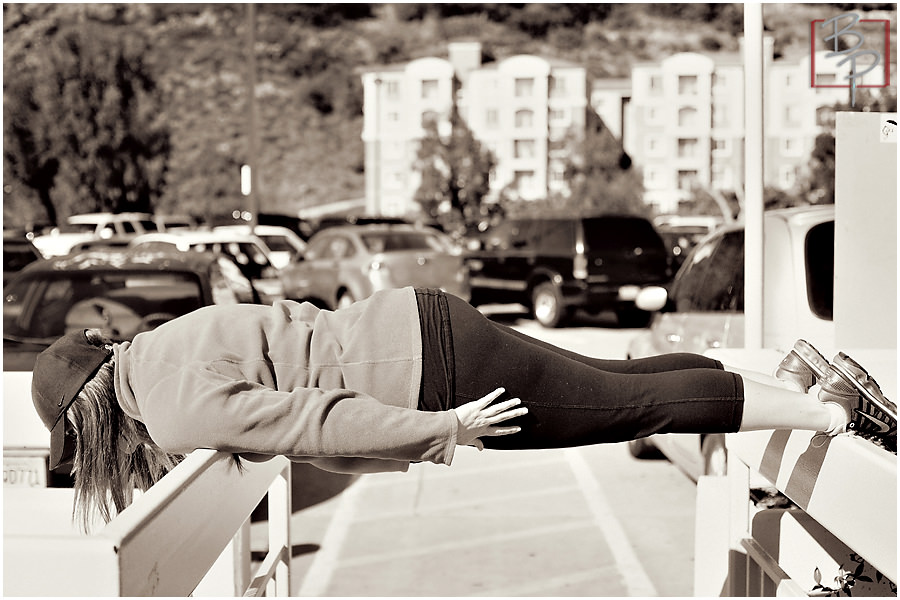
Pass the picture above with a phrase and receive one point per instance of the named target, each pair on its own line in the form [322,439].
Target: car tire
[547,305]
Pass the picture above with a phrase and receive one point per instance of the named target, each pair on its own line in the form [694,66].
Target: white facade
[517,108]
[684,121]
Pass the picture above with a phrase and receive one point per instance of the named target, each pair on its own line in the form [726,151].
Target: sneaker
[803,366]
[870,414]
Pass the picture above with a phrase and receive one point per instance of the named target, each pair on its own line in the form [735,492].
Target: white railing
[188,534]
[841,528]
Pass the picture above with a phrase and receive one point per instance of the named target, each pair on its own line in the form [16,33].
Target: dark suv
[556,265]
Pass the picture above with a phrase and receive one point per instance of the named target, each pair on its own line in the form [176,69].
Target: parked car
[704,308]
[554,266]
[346,264]
[84,227]
[123,293]
[175,222]
[284,245]
[681,233]
[18,252]
[249,253]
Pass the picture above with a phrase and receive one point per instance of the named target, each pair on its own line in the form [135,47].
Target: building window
[687,85]
[524,180]
[524,148]
[687,147]
[429,116]
[826,78]
[654,115]
[720,147]
[558,116]
[429,89]
[788,80]
[524,118]
[557,174]
[655,146]
[719,81]
[791,147]
[791,115]
[557,86]
[524,87]
[393,117]
[687,117]
[651,178]
[392,89]
[787,176]
[492,118]
[656,85]
[687,180]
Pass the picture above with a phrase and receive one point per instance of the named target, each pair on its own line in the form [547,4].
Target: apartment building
[682,120]
[521,108]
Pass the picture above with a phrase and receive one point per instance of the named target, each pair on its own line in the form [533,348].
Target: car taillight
[579,267]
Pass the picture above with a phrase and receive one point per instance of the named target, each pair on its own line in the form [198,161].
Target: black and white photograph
[450,300]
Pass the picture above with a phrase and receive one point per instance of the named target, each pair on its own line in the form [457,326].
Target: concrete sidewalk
[578,522]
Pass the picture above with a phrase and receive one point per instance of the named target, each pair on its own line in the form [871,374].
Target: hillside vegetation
[308,58]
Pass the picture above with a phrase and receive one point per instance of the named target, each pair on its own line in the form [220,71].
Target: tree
[601,175]
[82,123]
[455,172]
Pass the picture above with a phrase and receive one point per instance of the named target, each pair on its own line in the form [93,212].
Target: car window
[712,279]
[819,256]
[397,241]
[338,247]
[723,289]
[614,233]
[48,305]
[229,285]
[149,225]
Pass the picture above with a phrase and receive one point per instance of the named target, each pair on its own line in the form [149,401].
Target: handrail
[844,515]
[165,543]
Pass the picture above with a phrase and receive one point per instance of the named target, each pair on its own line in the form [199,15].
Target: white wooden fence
[188,534]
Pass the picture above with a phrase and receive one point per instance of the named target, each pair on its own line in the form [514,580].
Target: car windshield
[398,241]
[614,233]
[45,306]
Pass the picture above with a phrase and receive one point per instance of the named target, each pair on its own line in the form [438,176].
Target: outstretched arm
[479,418]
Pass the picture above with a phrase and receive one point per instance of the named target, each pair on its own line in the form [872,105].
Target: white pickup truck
[703,308]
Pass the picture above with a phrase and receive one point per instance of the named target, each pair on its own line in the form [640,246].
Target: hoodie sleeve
[203,409]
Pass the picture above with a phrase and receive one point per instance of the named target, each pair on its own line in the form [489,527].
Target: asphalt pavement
[589,521]
[576,522]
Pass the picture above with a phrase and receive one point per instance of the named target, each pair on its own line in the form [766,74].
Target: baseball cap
[60,372]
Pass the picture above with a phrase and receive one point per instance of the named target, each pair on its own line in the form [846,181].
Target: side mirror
[651,299]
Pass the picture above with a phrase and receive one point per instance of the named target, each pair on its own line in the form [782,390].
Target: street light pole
[252,133]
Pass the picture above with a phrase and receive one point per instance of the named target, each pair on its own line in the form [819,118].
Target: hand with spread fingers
[480,418]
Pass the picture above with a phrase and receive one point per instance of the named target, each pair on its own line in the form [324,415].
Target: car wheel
[345,300]
[547,305]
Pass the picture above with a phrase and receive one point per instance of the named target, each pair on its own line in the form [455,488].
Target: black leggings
[572,400]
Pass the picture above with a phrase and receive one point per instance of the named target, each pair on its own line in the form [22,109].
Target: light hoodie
[336,389]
